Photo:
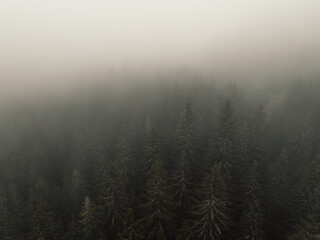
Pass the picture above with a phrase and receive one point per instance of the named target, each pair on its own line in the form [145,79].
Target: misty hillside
[194,159]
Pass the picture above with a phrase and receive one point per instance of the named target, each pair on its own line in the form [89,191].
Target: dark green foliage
[188,167]
[153,146]
[123,159]
[74,230]
[225,145]
[186,143]
[282,205]
[43,223]
[130,227]
[212,220]
[158,221]
[4,217]
[252,220]
[308,210]
[164,160]
[88,220]
[182,194]
[113,199]
[302,143]
[185,232]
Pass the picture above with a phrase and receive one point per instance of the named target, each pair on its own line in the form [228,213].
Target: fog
[57,45]
[159,120]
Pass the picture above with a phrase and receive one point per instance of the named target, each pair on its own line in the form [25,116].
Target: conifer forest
[187,158]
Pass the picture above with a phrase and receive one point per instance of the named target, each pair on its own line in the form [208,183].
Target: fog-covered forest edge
[182,157]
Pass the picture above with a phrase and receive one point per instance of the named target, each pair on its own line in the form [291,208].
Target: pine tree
[74,230]
[302,144]
[89,221]
[113,200]
[308,210]
[18,219]
[185,232]
[224,145]
[153,146]
[4,217]
[88,173]
[240,174]
[130,229]
[187,172]
[212,220]
[182,193]
[44,225]
[186,143]
[252,221]
[282,198]
[123,158]
[157,223]
[256,135]
[246,173]
[77,192]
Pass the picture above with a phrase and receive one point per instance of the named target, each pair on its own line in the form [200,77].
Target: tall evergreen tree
[153,148]
[282,198]
[301,144]
[224,149]
[123,158]
[158,221]
[130,229]
[43,223]
[248,168]
[113,200]
[308,210]
[252,220]
[186,139]
[212,220]
[4,217]
[187,171]
[185,232]
[182,194]
[256,127]
[89,220]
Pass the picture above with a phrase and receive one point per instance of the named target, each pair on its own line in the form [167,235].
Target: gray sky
[45,42]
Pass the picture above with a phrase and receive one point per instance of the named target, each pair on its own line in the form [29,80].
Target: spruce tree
[212,215]
[123,159]
[224,149]
[282,198]
[113,199]
[158,222]
[44,223]
[88,220]
[74,230]
[153,148]
[186,143]
[256,127]
[301,144]
[4,217]
[252,220]
[185,232]
[182,194]
[308,204]
[130,228]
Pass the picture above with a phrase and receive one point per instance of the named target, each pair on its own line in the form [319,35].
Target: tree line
[172,160]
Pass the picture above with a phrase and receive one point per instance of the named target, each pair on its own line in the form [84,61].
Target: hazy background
[48,45]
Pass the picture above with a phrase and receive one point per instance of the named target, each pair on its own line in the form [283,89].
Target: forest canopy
[180,159]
